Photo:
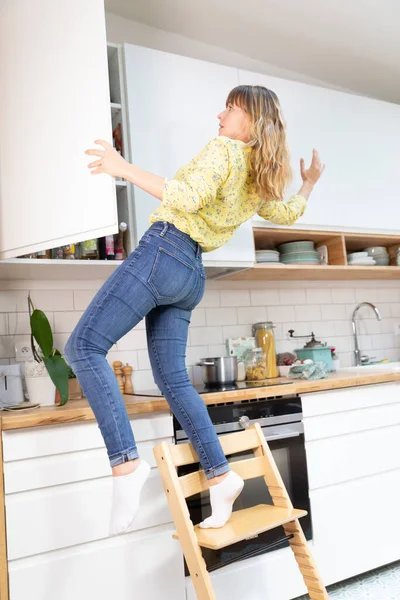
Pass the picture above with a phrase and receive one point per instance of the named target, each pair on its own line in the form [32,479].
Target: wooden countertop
[79,410]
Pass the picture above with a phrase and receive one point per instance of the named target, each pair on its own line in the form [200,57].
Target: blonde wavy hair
[270,158]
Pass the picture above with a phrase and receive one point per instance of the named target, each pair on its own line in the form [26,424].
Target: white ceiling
[353,44]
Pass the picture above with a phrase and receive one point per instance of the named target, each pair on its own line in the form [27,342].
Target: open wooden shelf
[313,272]
[339,244]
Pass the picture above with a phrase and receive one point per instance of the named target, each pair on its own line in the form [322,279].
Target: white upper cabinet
[173,102]
[54,103]
[358,139]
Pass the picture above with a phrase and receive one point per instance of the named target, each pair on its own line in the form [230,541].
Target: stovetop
[230,387]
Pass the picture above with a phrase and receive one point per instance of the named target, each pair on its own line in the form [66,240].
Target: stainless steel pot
[219,370]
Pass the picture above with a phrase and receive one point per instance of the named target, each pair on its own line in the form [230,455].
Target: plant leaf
[42,333]
[58,371]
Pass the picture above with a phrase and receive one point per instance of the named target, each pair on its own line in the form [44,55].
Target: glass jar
[265,339]
[255,364]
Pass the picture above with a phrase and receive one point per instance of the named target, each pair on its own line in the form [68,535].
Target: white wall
[227,310]
[120,30]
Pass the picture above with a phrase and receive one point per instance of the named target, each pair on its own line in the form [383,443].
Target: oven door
[286,443]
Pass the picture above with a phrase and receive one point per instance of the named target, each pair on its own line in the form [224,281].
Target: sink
[390,367]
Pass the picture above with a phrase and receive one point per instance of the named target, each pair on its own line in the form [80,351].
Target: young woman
[241,172]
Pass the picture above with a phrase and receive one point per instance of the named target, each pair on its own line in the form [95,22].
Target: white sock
[126,498]
[222,497]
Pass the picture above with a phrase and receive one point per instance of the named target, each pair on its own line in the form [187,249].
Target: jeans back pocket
[171,277]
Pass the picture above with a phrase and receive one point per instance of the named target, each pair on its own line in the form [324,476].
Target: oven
[282,425]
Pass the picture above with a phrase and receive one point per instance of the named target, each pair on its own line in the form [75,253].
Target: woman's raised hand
[315,170]
[110,162]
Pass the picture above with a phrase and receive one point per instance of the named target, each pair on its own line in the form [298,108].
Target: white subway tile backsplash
[333,312]
[217,350]
[60,340]
[373,326]
[198,318]
[388,295]
[343,296]
[237,298]
[143,360]
[292,297]
[325,329]
[342,328]
[202,336]
[194,353]
[366,294]
[4,322]
[383,340]
[308,313]
[82,298]
[7,347]
[264,297]
[56,300]
[135,339]
[342,343]
[65,322]
[280,314]
[143,380]
[252,314]
[210,298]
[319,296]
[221,316]
[232,331]
[19,323]
[14,301]
[228,309]
[395,310]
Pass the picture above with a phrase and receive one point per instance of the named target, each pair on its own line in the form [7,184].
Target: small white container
[335,364]
[41,390]
[284,370]
[40,386]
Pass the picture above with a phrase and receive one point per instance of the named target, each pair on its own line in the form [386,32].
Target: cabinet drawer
[121,567]
[355,528]
[322,403]
[66,515]
[347,457]
[45,471]
[327,426]
[57,439]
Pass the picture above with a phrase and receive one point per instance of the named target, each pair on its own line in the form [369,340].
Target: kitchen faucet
[360,360]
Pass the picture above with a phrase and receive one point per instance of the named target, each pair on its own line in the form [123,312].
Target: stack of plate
[360,259]
[300,253]
[379,254]
[270,256]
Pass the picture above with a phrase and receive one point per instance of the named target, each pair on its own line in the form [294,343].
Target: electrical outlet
[396,328]
[23,351]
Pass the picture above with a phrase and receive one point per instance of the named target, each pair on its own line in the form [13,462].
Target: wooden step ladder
[243,523]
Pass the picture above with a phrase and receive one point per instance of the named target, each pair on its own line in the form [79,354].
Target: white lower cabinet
[140,565]
[353,459]
[355,526]
[58,488]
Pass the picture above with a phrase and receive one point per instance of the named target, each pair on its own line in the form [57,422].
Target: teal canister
[317,354]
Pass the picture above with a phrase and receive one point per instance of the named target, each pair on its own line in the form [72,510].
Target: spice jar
[265,339]
[255,364]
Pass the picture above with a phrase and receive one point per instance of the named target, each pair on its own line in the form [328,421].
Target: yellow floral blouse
[211,196]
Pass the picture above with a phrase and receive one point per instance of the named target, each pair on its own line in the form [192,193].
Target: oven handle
[281,436]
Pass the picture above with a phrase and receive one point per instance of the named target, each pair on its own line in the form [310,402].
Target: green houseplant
[47,364]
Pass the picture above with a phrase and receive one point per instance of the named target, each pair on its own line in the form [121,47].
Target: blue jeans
[163,280]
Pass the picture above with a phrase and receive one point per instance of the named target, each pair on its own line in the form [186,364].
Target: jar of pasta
[265,339]
[255,364]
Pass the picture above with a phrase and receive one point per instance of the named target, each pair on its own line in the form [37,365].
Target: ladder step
[246,523]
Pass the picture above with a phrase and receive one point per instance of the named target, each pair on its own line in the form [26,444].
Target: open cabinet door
[54,102]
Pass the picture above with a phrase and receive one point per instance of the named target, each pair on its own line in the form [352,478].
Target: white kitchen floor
[380,584]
